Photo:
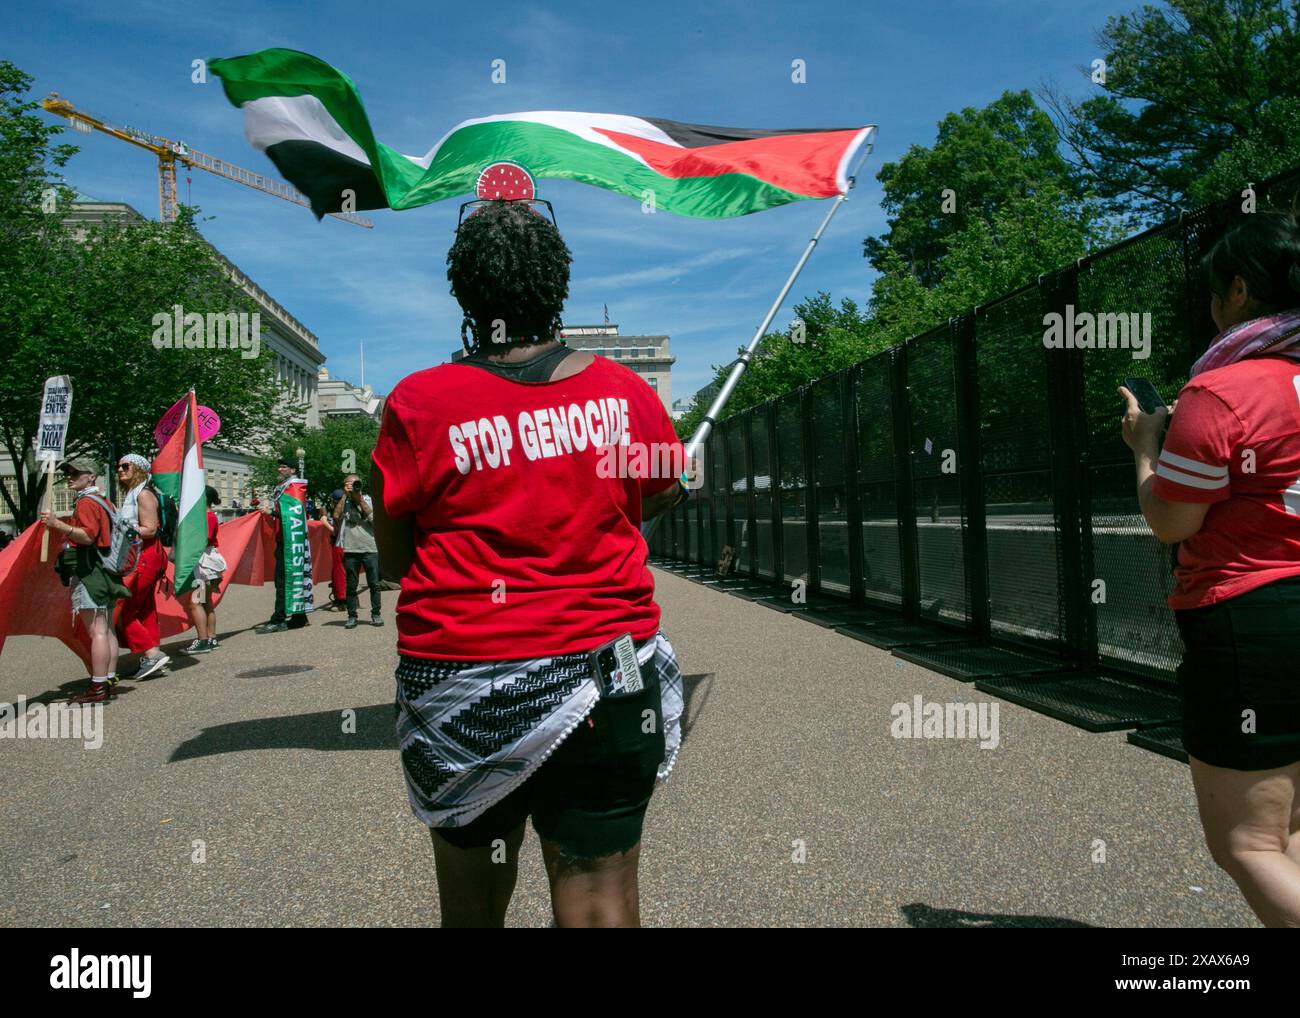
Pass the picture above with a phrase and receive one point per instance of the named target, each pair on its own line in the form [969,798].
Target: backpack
[120,557]
[168,513]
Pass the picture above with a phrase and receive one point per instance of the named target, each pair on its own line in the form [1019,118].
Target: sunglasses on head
[482,203]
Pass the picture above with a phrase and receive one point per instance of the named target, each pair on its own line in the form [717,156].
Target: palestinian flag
[295,547]
[308,118]
[178,473]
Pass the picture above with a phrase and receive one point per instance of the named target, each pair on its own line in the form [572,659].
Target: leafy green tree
[1273,149]
[34,260]
[84,305]
[1020,240]
[830,338]
[1196,93]
[329,449]
[982,160]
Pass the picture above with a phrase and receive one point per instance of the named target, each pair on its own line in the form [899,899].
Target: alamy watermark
[84,721]
[77,971]
[230,330]
[1109,331]
[922,720]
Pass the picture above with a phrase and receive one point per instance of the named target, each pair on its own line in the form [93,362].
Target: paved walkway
[242,754]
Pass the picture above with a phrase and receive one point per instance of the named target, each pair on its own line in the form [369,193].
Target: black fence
[969,491]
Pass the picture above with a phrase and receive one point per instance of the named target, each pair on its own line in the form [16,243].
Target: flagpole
[742,362]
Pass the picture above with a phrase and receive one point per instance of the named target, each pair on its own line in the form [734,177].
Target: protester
[281,619]
[338,574]
[95,591]
[139,619]
[356,536]
[1225,486]
[514,567]
[207,587]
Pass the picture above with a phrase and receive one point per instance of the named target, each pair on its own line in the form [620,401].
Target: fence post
[1067,420]
[774,484]
[970,474]
[852,489]
[812,535]
[903,490]
[751,527]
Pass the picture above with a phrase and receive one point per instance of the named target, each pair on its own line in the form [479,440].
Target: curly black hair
[509,271]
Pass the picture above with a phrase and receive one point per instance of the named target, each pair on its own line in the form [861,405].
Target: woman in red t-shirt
[1227,486]
[138,620]
[509,490]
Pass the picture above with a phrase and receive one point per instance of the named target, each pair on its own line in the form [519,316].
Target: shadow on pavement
[694,686]
[69,689]
[923,917]
[375,729]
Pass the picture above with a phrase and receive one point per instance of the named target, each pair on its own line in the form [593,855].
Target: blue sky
[422,67]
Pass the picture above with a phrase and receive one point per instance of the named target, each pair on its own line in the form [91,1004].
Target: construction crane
[170,153]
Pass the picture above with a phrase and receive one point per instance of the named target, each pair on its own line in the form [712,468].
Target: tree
[982,161]
[1273,149]
[342,445]
[1187,85]
[830,338]
[989,207]
[85,307]
[34,257]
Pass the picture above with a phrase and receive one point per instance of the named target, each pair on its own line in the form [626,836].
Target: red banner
[34,603]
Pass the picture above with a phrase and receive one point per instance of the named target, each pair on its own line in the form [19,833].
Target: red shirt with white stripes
[1234,442]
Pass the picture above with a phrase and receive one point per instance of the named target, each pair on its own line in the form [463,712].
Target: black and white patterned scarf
[470,733]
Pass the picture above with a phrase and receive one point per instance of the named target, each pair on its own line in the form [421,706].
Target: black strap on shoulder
[536,369]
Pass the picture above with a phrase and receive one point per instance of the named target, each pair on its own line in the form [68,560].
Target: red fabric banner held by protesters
[33,602]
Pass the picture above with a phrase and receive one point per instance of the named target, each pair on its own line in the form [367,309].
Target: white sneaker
[150,666]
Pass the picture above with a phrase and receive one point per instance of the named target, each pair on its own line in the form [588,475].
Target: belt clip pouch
[620,716]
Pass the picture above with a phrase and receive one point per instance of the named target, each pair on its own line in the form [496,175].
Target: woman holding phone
[1226,487]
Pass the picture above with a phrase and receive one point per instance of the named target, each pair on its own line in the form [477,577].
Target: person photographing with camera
[354,532]
[1226,488]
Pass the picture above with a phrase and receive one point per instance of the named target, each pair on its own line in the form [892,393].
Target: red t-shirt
[1234,442]
[212,529]
[526,517]
[90,516]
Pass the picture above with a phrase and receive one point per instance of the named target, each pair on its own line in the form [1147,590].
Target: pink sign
[209,422]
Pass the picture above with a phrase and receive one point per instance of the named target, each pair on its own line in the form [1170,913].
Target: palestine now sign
[296,548]
[56,409]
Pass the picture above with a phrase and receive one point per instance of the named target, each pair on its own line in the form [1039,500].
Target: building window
[63,497]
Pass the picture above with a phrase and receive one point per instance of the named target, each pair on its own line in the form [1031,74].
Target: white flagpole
[742,362]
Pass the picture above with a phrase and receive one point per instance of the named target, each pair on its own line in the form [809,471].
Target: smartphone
[615,668]
[1148,399]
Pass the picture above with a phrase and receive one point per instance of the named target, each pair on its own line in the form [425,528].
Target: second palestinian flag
[296,548]
[308,118]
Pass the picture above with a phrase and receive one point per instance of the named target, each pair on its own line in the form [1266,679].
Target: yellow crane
[170,153]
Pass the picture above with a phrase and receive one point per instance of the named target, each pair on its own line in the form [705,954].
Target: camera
[359,486]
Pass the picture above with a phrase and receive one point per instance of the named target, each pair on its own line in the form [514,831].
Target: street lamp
[300,452]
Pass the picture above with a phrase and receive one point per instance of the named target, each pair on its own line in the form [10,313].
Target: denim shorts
[1240,679]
